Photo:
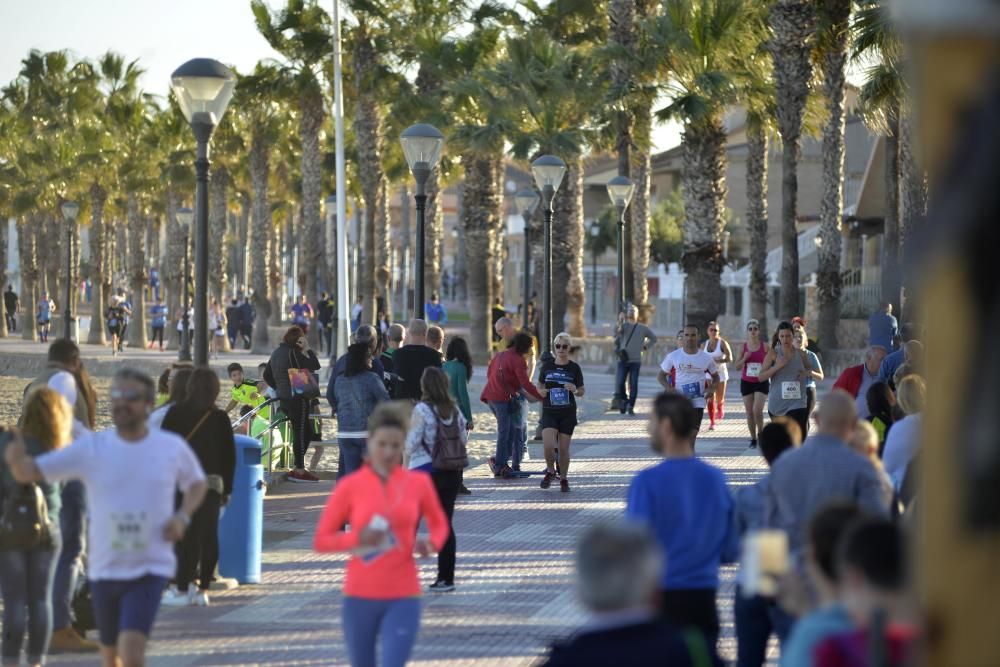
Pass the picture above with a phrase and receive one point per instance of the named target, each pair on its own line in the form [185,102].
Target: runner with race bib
[690,365]
[785,367]
[560,381]
[752,388]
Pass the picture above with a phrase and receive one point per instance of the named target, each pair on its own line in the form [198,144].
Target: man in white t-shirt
[690,364]
[131,474]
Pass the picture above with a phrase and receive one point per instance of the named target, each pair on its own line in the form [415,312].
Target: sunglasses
[562,347]
[753,328]
[122,395]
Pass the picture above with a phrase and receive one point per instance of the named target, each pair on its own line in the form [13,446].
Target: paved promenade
[515,544]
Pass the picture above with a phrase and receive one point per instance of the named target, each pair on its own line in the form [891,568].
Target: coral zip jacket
[403,499]
[506,376]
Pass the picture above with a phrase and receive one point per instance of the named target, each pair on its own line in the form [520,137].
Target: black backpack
[449,451]
[24,518]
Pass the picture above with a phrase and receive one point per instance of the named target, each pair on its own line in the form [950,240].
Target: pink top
[402,499]
[756,358]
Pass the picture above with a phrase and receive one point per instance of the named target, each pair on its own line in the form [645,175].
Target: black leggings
[799,415]
[694,608]
[810,404]
[447,482]
[200,546]
[157,334]
[297,410]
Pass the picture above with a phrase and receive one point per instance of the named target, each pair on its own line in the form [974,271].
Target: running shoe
[175,598]
[547,480]
[564,485]
[309,476]
[441,587]
[300,477]
[200,599]
[753,444]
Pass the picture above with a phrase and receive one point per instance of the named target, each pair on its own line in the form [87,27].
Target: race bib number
[693,390]
[558,397]
[753,370]
[791,391]
[130,531]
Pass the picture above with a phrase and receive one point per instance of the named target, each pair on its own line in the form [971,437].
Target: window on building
[734,304]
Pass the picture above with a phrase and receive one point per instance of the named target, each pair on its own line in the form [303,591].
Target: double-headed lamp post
[422,144]
[184,218]
[620,190]
[548,171]
[203,88]
[595,231]
[527,201]
[70,209]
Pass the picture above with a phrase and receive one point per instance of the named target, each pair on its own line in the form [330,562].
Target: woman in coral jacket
[383,504]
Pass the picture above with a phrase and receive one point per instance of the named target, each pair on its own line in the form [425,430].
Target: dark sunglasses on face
[562,347]
[753,328]
[123,395]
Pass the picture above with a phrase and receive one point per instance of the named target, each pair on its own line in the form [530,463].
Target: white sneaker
[199,598]
[174,598]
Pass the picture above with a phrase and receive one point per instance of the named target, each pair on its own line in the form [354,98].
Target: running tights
[392,625]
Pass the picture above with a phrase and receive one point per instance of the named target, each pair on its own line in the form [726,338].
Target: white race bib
[692,390]
[791,391]
[130,531]
[753,370]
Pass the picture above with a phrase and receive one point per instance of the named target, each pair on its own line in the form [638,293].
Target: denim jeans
[628,370]
[520,436]
[26,587]
[352,453]
[392,624]
[72,519]
[756,618]
[508,424]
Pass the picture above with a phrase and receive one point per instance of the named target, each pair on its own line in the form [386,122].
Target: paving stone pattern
[515,577]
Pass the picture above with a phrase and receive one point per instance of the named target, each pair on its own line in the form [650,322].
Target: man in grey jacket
[631,339]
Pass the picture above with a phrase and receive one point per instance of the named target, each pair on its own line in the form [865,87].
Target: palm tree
[706,44]
[834,21]
[793,25]
[301,33]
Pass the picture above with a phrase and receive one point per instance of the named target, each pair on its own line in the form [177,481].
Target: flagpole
[343,301]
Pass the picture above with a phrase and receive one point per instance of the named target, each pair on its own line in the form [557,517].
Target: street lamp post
[70,209]
[548,171]
[595,231]
[527,202]
[422,144]
[203,88]
[620,190]
[184,217]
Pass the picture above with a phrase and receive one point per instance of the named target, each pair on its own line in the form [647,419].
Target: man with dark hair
[619,566]
[757,616]
[233,322]
[690,364]
[132,474]
[830,617]
[325,316]
[11,305]
[247,317]
[409,362]
[687,504]
[872,572]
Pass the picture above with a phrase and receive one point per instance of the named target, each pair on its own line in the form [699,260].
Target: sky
[162,34]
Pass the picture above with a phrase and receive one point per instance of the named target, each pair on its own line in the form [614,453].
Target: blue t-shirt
[882,329]
[890,364]
[301,312]
[689,508]
[159,316]
[435,313]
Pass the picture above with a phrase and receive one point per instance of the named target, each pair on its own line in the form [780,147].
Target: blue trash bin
[241,528]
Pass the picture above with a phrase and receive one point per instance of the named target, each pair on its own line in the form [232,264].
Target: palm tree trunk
[311,251]
[836,16]
[757,219]
[275,276]
[568,289]
[381,255]
[890,240]
[27,229]
[913,204]
[481,202]
[703,174]
[793,23]
[137,273]
[173,269]
[428,88]
[641,171]
[217,224]
[98,263]
[3,277]
[263,253]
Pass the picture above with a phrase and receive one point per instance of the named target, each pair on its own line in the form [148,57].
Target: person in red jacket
[856,379]
[506,378]
[383,503]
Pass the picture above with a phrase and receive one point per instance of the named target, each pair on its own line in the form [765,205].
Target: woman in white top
[216,327]
[436,420]
[722,354]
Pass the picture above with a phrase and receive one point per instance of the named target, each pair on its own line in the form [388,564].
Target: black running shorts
[563,421]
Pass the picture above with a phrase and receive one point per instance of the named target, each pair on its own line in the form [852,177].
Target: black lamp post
[70,209]
[453,288]
[184,217]
[595,231]
[203,88]
[620,191]
[548,171]
[422,144]
[527,202]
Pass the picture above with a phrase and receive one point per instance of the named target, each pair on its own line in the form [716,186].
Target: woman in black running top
[561,382]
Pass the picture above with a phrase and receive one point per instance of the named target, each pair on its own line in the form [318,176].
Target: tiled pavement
[515,544]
